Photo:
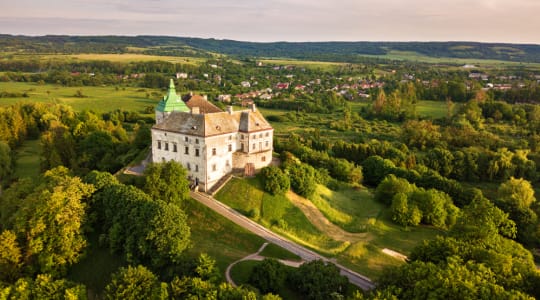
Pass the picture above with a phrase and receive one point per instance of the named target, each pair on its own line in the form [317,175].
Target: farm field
[417,57]
[121,58]
[99,99]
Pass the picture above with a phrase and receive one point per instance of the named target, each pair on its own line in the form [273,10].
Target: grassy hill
[320,51]
[359,228]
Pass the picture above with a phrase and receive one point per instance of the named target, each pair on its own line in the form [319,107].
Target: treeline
[333,51]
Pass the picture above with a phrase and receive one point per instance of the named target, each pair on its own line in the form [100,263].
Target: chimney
[253,108]
[205,97]
[230,109]
[195,110]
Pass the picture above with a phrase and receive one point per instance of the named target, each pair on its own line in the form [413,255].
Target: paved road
[306,254]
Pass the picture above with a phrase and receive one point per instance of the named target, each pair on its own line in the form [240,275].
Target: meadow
[417,57]
[367,224]
[121,58]
[99,99]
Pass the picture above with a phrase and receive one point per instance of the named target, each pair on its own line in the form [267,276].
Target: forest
[433,148]
[326,51]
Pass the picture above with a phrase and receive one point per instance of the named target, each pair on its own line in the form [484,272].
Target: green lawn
[274,251]
[213,234]
[95,269]
[348,208]
[28,159]
[354,210]
[276,212]
[432,109]
[99,99]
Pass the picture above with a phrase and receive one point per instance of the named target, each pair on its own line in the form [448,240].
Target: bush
[275,181]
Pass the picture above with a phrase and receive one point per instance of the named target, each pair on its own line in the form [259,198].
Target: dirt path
[316,217]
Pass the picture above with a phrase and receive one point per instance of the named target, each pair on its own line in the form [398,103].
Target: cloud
[270,20]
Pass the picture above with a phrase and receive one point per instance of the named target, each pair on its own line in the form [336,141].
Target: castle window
[230,137]
[196,168]
[186,139]
[266,144]
[186,150]
[254,136]
[175,148]
[197,152]
[214,167]
[260,136]
[254,145]
[196,141]
[241,136]
[159,144]
[166,146]
[214,151]
[189,166]
[230,147]
[242,147]
[263,158]
[267,134]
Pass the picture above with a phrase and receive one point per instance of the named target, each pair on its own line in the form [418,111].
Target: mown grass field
[99,99]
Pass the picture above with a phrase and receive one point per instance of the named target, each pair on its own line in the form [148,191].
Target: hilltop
[326,51]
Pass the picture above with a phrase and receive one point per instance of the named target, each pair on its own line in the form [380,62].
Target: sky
[509,21]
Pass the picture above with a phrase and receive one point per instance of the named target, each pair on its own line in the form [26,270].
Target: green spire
[171,101]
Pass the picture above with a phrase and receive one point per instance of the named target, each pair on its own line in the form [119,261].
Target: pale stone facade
[212,145]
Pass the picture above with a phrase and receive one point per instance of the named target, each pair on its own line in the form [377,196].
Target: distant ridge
[330,51]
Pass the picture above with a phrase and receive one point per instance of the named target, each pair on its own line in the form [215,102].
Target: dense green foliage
[275,181]
[167,182]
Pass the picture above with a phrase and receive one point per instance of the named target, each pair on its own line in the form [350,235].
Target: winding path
[255,256]
[304,253]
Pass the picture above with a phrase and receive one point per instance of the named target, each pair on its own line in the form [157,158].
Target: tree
[275,181]
[207,269]
[268,276]
[390,186]
[316,280]
[516,192]
[6,161]
[49,222]
[44,287]
[440,160]
[167,181]
[141,228]
[303,179]
[404,213]
[10,256]
[134,283]
[482,223]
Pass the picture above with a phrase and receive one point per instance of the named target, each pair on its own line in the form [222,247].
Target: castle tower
[170,102]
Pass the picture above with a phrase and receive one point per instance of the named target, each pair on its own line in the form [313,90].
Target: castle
[208,142]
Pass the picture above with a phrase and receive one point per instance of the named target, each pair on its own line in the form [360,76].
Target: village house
[208,142]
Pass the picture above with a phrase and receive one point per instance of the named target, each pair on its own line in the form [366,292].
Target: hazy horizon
[495,21]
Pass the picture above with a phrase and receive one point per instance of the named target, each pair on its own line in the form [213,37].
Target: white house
[208,142]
